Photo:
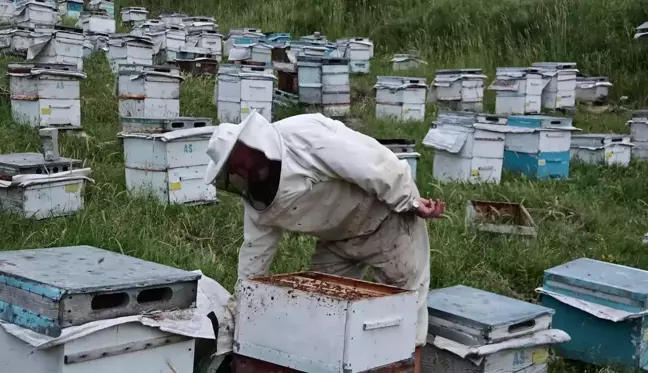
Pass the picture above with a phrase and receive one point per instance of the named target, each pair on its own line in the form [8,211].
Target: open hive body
[592,89]
[405,150]
[560,91]
[241,89]
[603,307]
[608,149]
[400,98]
[468,147]
[149,91]
[332,320]
[88,291]
[518,90]
[500,217]
[471,330]
[46,95]
[639,134]
[170,166]
[405,61]
[461,90]
[324,83]
[539,147]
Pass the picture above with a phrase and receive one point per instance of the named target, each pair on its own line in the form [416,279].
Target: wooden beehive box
[500,217]
[45,290]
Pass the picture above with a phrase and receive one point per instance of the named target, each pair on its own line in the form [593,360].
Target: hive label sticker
[608,155]
[245,110]
[175,185]
[542,162]
[46,111]
[72,188]
[540,357]
[474,172]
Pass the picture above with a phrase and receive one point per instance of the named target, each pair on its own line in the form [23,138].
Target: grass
[600,212]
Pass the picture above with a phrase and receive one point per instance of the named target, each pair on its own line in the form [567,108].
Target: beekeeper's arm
[349,155]
[259,246]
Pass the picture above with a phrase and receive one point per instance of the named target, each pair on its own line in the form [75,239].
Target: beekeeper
[312,174]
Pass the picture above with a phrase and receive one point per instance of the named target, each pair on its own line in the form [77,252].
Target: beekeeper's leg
[326,260]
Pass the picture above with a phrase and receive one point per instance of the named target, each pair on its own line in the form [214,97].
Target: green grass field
[599,212]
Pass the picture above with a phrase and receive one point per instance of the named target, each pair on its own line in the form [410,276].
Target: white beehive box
[59,47]
[406,61]
[107,6]
[545,135]
[96,22]
[359,51]
[255,52]
[338,317]
[599,149]
[316,36]
[324,82]
[465,152]
[237,33]
[172,19]
[464,85]
[592,89]
[22,38]
[211,40]
[6,39]
[45,95]
[518,90]
[95,43]
[475,331]
[6,12]
[639,134]
[195,25]
[170,166]
[36,13]
[241,89]
[129,49]
[560,91]
[70,8]
[132,14]
[400,98]
[150,92]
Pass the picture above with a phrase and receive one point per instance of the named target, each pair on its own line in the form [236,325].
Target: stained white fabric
[350,192]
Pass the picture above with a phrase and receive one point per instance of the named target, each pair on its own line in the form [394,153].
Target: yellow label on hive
[175,185]
[245,110]
[608,155]
[46,111]
[540,357]
[474,172]
[72,188]
[645,335]
[406,110]
[542,162]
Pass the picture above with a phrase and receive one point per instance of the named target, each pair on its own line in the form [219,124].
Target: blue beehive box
[608,329]
[280,37]
[539,147]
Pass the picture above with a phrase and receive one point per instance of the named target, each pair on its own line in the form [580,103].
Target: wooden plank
[30,301]
[122,349]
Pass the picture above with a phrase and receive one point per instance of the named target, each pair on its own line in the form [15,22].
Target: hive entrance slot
[177,125]
[521,326]
[106,301]
[154,295]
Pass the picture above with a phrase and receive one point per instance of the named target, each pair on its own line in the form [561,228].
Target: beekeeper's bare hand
[429,209]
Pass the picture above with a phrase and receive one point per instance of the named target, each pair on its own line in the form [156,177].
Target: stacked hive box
[166,157]
[461,90]
[639,134]
[599,149]
[45,95]
[468,147]
[107,6]
[602,306]
[324,83]
[129,49]
[329,317]
[518,90]
[83,312]
[539,147]
[242,89]
[359,51]
[406,61]
[39,186]
[560,91]
[476,331]
[70,8]
[60,46]
[238,33]
[149,91]
[36,13]
[131,15]
[172,19]
[400,98]
[592,89]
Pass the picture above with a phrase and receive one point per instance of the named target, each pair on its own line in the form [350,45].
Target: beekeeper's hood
[261,143]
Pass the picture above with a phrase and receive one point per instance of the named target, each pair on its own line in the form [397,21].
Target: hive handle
[382,323]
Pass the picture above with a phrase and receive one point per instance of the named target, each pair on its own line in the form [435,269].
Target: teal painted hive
[610,331]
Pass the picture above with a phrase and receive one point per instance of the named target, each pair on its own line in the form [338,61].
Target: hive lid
[483,316]
[599,277]
[86,269]
[21,161]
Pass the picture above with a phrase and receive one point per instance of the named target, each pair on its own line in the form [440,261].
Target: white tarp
[192,322]
[600,311]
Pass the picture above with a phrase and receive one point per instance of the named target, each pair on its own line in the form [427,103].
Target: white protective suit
[346,189]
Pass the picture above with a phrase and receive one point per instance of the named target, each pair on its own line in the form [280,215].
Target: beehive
[129,49]
[243,88]
[324,82]
[593,89]
[608,149]
[149,92]
[63,46]
[518,90]
[560,91]
[132,14]
[400,98]
[36,13]
[461,89]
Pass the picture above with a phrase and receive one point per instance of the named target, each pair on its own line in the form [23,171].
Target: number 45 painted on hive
[188,148]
